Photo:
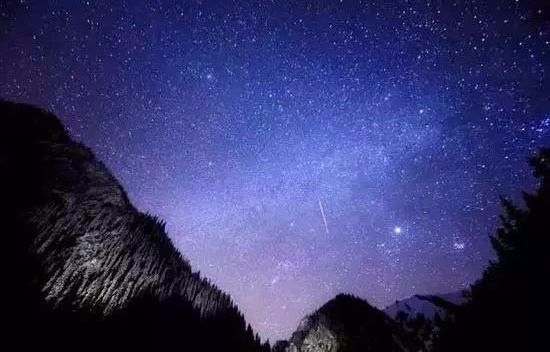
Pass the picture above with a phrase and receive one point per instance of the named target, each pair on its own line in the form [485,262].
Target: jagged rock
[347,323]
[319,339]
[82,256]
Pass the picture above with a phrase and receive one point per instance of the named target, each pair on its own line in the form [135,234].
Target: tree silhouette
[506,303]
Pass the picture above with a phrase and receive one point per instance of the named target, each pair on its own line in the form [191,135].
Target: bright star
[397,229]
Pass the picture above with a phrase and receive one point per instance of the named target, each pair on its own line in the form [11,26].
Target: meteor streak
[323,214]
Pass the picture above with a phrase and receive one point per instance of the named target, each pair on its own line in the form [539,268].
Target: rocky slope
[426,305]
[82,258]
[347,323]
[422,315]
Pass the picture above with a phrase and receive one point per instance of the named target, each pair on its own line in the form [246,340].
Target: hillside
[87,266]
[347,323]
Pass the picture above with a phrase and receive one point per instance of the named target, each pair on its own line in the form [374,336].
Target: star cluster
[300,149]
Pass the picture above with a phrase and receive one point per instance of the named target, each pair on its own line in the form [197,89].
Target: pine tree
[506,302]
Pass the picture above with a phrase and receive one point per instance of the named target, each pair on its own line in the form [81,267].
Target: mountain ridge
[84,185]
[426,304]
[348,323]
[80,246]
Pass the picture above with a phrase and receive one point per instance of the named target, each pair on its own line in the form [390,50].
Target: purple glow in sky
[300,150]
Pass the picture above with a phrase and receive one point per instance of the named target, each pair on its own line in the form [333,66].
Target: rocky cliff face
[347,323]
[76,244]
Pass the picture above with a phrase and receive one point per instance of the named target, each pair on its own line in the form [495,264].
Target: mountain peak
[426,305]
[85,256]
[344,322]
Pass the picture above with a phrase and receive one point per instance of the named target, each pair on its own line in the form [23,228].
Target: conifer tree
[506,304]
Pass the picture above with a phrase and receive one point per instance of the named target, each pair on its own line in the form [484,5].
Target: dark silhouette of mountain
[346,324]
[86,270]
[507,310]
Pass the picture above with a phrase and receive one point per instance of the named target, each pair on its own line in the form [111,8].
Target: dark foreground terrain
[89,272]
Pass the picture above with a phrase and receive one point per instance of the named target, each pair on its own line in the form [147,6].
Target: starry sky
[300,149]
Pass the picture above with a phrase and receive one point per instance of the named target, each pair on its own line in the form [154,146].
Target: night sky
[300,150]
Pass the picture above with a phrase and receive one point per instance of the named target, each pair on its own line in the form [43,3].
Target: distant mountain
[421,315]
[426,305]
[88,271]
[347,323]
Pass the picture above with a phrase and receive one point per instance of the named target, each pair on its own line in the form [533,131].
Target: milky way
[300,150]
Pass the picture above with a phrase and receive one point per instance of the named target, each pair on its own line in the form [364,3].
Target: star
[258,137]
